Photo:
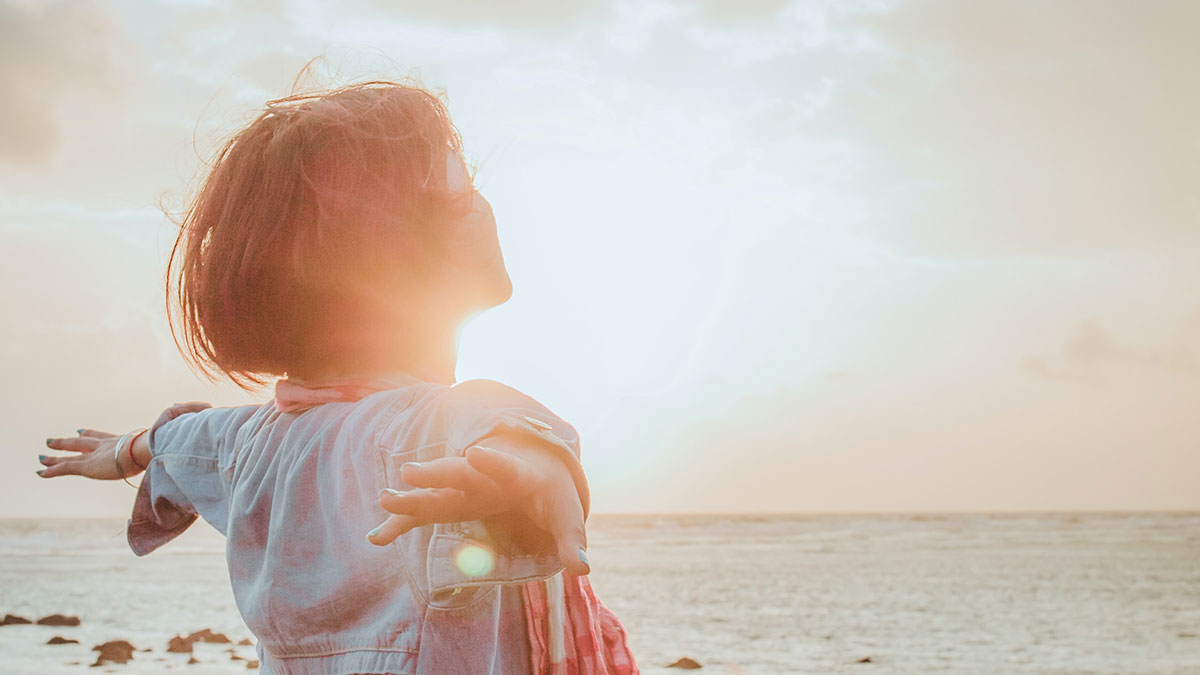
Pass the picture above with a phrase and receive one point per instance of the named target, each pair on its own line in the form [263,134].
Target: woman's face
[473,247]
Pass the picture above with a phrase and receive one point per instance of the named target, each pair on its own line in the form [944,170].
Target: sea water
[977,593]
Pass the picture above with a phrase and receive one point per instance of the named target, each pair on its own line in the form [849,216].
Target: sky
[767,256]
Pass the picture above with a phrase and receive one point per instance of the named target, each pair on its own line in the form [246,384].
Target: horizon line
[780,514]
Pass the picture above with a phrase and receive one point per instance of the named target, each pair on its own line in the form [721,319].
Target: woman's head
[332,227]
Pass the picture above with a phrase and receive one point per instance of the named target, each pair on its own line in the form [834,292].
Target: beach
[963,593]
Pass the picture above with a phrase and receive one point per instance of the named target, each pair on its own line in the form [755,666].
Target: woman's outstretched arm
[507,478]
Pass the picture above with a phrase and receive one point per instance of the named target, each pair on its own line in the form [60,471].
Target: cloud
[722,11]
[537,14]
[1026,127]
[1091,353]
[49,55]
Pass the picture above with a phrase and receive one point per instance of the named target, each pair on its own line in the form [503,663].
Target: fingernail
[390,491]
[48,440]
[414,465]
[583,559]
[42,458]
[372,533]
[39,471]
[79,431]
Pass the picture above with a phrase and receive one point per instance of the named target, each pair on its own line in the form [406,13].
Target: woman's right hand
[97,448]
[95,458]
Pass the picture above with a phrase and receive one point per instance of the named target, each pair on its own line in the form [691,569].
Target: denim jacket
[295,493]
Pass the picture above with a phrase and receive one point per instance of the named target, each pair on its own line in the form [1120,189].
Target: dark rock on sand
[181,644]
[58,620]
[58,640]
[686,664]
[235,657]
[865,659]
[193,660]
[116,651]
[245,642]
[10,619]
[207,635]
[252,664]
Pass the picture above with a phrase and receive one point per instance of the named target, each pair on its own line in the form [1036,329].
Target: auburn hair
[304,227]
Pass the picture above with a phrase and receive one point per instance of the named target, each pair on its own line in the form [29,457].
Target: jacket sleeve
[471,554]
[189,447]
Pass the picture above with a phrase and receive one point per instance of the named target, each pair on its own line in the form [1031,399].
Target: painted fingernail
[583,559]
[39,471]
[372,533]
[42,459]
[79,431]
[49,441]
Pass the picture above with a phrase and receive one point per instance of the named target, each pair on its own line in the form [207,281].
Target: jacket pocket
[459,568]
[394,459]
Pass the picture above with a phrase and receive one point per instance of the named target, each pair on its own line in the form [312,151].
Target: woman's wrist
[139,451]
[126,454]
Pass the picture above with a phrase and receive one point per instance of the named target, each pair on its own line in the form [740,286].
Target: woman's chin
[496,287]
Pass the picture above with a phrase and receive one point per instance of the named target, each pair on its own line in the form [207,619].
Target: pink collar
[292,395]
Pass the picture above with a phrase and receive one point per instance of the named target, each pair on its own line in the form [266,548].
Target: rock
[251,664]
[180,645]
[207,635]
[193,660]
[865,659]
[58,620]
[57,640]
[117,651]
[10,619]
[245,642]
[235,657]
[686,664]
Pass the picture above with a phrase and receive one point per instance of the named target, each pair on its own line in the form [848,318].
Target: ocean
[956,593]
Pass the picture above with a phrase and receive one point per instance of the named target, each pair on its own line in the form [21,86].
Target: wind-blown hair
[307,224]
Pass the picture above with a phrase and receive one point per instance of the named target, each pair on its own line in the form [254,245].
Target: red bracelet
[132,458]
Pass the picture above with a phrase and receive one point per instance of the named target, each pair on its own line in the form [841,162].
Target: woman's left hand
[490,481]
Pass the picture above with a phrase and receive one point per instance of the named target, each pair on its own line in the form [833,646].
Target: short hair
[306,224]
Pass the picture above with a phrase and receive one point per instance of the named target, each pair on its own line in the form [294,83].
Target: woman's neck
[430,354]
[433,361]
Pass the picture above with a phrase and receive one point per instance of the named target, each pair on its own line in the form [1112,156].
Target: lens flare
[474,561]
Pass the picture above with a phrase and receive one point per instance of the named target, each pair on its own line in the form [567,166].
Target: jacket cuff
[154,523]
